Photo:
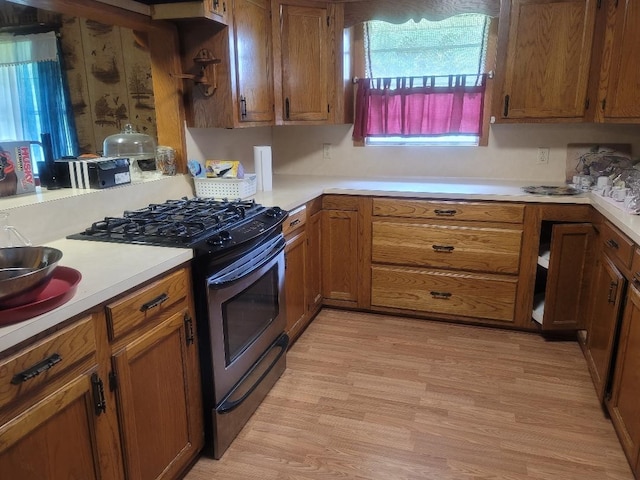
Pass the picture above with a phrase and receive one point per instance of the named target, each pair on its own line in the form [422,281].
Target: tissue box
[93,173]
[224,169]
[16,169]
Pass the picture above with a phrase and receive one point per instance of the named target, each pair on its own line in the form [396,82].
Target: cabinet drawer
[340,202]
[146,303]
[483,212]
[297,218]
[447,245]
[461,294]
[616,244]
[49,359]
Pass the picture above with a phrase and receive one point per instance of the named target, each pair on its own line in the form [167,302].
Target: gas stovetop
[189,223]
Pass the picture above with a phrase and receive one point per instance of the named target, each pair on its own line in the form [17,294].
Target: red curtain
[395,107]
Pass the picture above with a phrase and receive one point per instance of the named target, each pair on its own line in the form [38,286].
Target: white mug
[603,181]
[619,193]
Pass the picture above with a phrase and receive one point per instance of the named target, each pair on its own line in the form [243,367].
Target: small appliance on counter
[98,172]
[139,148]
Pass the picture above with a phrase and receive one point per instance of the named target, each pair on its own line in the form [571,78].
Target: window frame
[492,42]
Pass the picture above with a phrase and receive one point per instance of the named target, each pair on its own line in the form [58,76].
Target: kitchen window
[33,93]
[424,83]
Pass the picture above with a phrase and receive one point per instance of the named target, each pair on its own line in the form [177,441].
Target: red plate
[59,290]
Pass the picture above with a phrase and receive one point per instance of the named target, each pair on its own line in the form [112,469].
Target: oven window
[249,313]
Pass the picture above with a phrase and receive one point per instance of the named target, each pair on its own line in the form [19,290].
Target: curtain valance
[19,49]
[401,11]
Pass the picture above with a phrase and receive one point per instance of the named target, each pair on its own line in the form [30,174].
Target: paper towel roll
[262,162]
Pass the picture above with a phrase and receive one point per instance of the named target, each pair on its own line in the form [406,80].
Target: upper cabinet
[617,97]
[304,61]
[543,59]
[243,95]
[279,64]
[211,9]
[567,61]
[254,78]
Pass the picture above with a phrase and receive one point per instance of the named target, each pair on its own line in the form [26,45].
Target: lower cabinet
[115,394]
[608,288]
[445,259]
[343,249]
[623,405]
[55,419]
[303,279]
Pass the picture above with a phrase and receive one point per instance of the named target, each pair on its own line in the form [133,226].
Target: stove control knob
[214,240]
[224,235]
[273,212]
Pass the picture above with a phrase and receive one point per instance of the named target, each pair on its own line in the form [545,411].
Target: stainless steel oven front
[241,322]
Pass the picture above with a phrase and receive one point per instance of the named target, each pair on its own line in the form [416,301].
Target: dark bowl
[25,272]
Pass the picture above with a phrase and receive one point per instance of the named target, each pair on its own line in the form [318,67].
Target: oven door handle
[254,377]
[248,264]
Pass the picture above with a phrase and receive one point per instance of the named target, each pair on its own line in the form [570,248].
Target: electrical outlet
[326,151]
[543,155]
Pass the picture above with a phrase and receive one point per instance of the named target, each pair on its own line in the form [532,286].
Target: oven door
[246,313]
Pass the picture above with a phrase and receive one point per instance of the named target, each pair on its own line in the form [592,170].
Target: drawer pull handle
[443,248]
[613,290]
[612,243]
[36,370]
[441,295]
[445,213]
[159,300]
[295,222]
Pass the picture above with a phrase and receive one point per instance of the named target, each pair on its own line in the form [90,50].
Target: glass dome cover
[129,143]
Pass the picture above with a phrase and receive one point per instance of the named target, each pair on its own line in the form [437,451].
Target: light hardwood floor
[379,397]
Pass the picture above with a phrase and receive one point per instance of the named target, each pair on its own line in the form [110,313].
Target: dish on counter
[551,190]
[61,288]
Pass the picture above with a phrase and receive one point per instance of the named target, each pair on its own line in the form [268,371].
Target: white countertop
[110,269]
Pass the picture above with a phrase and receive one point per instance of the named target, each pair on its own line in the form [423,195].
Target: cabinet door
[567,290]
[295,274]
[340,257]
[305,65]
[624,406]
[314,263]
[608,288]
[161,426]
[548,53]
[56,438]
[621,101]
[252,37]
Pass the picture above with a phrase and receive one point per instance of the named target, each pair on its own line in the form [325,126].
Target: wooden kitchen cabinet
[57,420]
[617,99]
[564,274]
[303,275]
[343,250]
[607,294]
[310,87]
[244,78]
[156,377]
[544,55]
[449,260]
[216,10]
[623,405]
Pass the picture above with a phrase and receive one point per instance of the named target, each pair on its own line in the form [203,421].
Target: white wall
[510,155]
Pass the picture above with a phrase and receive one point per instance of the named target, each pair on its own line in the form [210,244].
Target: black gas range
[205,225]
[238,286]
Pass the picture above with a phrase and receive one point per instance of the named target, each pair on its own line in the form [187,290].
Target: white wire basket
[226,188]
